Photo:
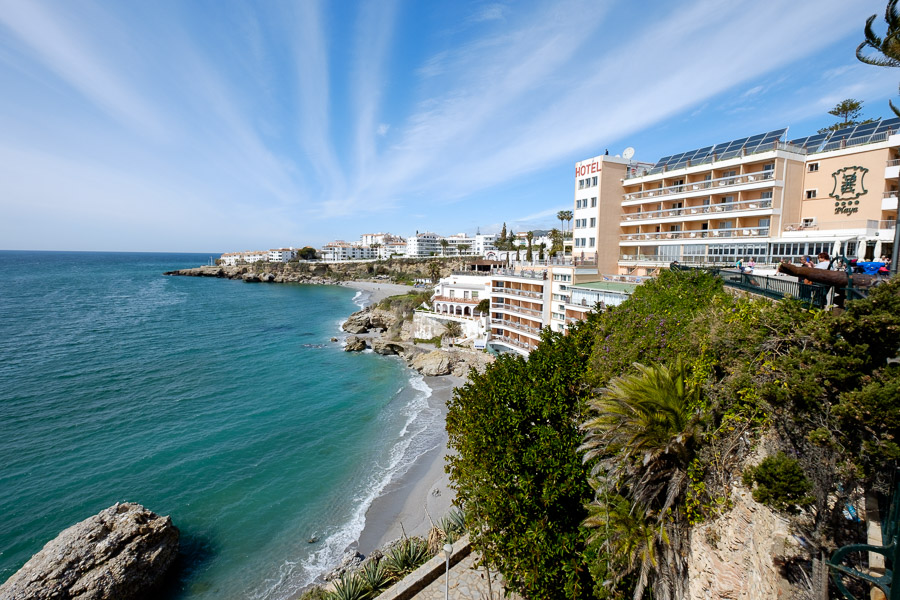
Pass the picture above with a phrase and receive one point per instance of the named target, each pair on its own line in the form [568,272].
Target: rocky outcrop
[119,554]
[354,344]
[350,562]
[387,348]
[734,556]
[369,319]
[433,363]
[358,322]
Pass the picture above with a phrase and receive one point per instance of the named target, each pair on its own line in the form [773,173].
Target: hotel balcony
[658,260]
[517,344]
[519,327]
[516,292]
[892,169]
[455,300]
[517,309]
[889,200]
[868,227]
[695,213]
[632,239]
[702,188]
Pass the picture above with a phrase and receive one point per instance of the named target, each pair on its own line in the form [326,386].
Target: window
[593,203]
[593,221]
[595,180]
[452,293]
[593,242]
[474,295]
[810,194]
[769,167]
[766,195]
[812,167]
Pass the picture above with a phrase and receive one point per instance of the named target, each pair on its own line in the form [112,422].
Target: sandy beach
[378,291]
[423,493]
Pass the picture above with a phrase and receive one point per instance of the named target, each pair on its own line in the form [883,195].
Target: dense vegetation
[583,468]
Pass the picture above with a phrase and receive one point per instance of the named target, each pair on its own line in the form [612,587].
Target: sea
[221,403]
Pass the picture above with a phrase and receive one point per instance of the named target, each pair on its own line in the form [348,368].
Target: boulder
[120,553]
[250,277]
[355,344]
[350,561]
[358,322]
[433,363]
[386,348]
[267,277]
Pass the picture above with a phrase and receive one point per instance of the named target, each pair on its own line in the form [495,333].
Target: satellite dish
[628,152]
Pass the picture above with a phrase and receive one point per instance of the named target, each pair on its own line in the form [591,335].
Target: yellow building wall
[829,210]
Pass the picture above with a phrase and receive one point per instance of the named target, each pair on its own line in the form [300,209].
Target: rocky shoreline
[249,275]
[369,327]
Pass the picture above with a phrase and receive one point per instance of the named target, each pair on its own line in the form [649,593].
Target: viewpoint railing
[776,288]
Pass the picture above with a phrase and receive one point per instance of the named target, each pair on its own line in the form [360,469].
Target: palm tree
[434,271]
[463,248]
[642,440]
[529,256]
[562,216]
[888,46]
[453,329]
[569,216]
[444,244]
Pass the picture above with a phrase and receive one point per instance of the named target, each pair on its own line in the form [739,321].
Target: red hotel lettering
[584,169]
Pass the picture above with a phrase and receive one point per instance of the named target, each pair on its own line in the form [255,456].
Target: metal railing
[776,288]
[518,326]
[890,194]
[643,171]
[758,204]
[697,233]
[700,186]
[893,162]
[517,309]
[517,292]
[851,224]
[508,340]
[523,273]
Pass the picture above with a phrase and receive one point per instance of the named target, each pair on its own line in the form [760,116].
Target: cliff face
[326,272]
[119,554]
[734,556]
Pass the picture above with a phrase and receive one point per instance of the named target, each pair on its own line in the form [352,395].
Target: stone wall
[428,325]
[733,557]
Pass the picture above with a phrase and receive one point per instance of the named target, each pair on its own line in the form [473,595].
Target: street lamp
[448,550]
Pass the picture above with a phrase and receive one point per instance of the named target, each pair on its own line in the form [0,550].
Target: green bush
[350,587]
[406,557]
[780,483]
[435,341]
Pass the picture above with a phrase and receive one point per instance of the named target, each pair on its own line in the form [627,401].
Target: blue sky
[214,126]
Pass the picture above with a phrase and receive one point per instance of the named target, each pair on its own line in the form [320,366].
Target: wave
[418,435]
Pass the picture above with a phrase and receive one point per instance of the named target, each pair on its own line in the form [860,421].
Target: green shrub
[314,593]
[435,341]
[780,483]
[375,577]
[406,557]
[350,587]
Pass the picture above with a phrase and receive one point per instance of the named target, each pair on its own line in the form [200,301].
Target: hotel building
[758,197]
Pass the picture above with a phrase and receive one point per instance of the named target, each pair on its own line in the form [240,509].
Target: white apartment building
[391,248]
[484,243]
[340,251]
[423,245]
[246,257]
[459,245]
[282,255]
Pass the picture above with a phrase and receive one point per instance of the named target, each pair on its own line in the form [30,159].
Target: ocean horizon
[220,403]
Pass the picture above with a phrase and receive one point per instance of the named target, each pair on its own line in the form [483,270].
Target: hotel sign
[583,170]
[848,187]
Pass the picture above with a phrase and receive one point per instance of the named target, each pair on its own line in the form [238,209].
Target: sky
[217,126]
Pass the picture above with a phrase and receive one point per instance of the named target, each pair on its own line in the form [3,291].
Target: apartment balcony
[629,239]
[520,327]
[702,188]
[512,342]
[518,309]
[516,292]
[892,169]
[688,212]
[889,200]
[869,226]
[630,260]
[521,273]
[455,300]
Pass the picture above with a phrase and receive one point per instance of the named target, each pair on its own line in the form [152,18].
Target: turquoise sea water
[220,403]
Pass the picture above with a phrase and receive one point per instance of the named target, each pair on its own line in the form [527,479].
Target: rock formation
[433,363]
[355,344]
[119,554]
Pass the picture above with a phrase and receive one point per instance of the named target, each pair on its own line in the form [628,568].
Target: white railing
[696,234]
[517,309]
[890,194]
[516,292]
[517,326]
[700,186]
[522,273]
[758,204]
[662,259]
[893,162]
[870,224]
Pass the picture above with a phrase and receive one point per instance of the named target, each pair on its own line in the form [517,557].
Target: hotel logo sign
[848,187]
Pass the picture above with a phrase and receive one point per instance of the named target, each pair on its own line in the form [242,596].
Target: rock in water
[355,344]
[119,554]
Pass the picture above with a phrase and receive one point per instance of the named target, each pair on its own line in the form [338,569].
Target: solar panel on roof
[888,125]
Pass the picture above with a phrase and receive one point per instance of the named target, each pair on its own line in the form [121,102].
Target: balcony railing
[515,292]
[890,194]
[457,300]
[662,258]
[696,234]
[700,186]
[508,340]
[517,326]
[893,162]
[523,273]
[853,224]
[758,204]
[517,309]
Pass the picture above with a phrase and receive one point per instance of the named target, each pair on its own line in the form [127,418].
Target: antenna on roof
[628,152]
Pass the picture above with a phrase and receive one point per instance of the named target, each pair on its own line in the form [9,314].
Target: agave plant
[406,557]
[350,587]
[375,577]
[453,524]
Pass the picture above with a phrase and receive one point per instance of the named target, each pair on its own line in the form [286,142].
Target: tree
[530,237]
[484,306]
[643,440]
[514,433]
[444,244]
[541,247]
[888,47]
[562,216]
[569,215]
[463,248]
[434,271]
[307,253]
[556,238]
[453,329]
[501,241]
[848,111]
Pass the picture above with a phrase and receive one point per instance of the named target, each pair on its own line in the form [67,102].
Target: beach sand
[378,291]
[405,505]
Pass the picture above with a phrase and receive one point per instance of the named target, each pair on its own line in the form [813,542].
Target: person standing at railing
[824,261]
